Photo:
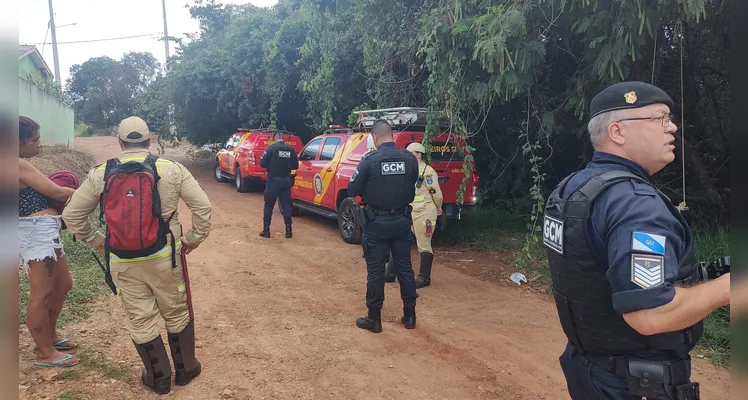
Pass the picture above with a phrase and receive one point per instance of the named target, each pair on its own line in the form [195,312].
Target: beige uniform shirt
[429,195]
[176,182]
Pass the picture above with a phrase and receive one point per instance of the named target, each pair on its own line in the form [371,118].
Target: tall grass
[493,230]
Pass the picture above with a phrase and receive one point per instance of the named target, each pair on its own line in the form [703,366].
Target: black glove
[441,221]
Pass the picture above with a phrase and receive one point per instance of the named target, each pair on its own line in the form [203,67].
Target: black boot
[157,371]
[373,322]
[265,232]
[182,345]
[289,234]
[389,272]
[409,317]
[424,274]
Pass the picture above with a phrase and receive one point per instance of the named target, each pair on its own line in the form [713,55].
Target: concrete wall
[55,118]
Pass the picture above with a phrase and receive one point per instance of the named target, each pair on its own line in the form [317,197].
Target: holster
[362,216]
[652,379]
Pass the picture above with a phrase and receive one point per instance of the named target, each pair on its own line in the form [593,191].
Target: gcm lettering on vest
[393,168]
[553,234]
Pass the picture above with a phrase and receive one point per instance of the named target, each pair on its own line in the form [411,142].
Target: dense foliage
[515,77]
[103,90]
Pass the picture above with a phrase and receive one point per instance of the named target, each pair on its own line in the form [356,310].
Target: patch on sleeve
[647,270]
[355,174]
[430,180]
[649,242]
[553,234]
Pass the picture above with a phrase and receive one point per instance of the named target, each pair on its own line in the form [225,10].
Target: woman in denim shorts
[41,252]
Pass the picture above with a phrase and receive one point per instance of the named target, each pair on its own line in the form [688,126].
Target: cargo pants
[278,188]
[150,290]
[388,233]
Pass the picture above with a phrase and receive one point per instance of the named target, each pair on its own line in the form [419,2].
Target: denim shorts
[39,237]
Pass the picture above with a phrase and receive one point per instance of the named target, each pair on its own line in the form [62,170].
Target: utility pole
[54,44]
[172,128]
[166,35]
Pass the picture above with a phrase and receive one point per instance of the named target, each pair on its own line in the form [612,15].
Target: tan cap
[133,130]
[415,146]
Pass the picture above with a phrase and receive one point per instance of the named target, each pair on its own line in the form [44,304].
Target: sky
[104,19]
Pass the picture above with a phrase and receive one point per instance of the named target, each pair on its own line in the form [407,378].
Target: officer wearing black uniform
[622,261]
[279,159]
[385,179]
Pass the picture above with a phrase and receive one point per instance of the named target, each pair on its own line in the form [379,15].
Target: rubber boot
[372,323]
[424,273]
[289,233]
[409,317]
[182,345]
[265,232]
[157,371]
[389,271]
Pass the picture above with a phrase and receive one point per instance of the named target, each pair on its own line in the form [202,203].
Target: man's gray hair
[598,126]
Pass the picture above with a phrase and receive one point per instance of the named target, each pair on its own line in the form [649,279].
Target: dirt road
[275,319]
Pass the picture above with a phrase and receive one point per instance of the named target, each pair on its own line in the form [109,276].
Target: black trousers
[388,234]
[278,189]
[588,381]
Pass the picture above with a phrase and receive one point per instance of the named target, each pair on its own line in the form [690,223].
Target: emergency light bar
[397,117]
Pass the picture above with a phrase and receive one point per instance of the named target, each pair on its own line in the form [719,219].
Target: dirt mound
[58,158]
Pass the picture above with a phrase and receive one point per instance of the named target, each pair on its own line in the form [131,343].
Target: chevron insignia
[647,270]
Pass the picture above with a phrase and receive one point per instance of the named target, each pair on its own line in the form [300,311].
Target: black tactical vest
[280,160]
[581,291]
[392,177]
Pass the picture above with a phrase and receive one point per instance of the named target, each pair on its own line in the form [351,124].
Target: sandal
[57,363]
[59,345]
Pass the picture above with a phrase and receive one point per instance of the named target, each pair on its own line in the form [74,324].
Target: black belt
[390,211]
[647,378]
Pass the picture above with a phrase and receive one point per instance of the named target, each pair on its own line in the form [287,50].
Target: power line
[103,40]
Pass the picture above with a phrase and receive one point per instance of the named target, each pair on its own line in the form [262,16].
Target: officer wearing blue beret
[625,281]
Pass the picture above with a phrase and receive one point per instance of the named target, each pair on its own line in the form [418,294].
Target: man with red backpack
[138,195]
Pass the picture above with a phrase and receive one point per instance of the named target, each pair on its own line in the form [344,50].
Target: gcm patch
[553,234]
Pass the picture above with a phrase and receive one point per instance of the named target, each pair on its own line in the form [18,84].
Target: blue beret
[632,94]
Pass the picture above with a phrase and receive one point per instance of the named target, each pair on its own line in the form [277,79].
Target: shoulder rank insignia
[647,270]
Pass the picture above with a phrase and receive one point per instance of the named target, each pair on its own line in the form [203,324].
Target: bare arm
[30,176]
[689,306]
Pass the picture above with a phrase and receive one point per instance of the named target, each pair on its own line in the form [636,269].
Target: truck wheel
[242,186]
[348,224]
[217,173]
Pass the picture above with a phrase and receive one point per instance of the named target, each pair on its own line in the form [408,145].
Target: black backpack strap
[173,240]
[151,160]
[108,170]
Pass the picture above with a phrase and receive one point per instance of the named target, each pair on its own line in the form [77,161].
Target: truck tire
[242,186]
[217,173]
[348,224]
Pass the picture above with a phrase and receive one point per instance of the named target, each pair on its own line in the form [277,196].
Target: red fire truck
[327,162]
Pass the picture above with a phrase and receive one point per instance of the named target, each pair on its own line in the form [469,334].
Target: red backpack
[64,179]
[131,207]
